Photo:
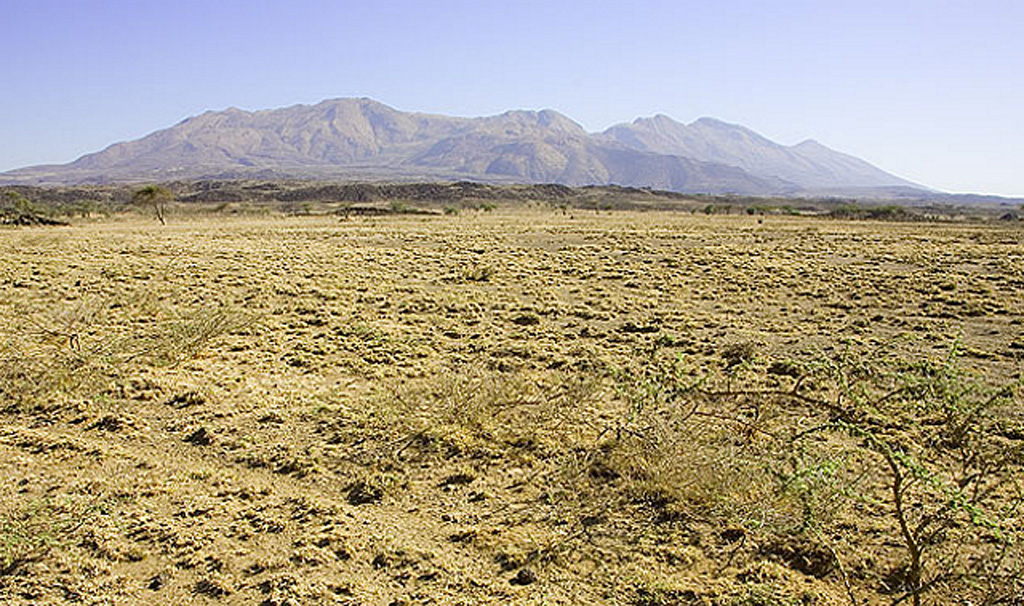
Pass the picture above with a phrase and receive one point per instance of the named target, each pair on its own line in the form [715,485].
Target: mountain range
[348,139]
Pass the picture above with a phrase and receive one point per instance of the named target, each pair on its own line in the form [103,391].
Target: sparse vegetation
[355,199]
[74,351]
[635,408]
[886,212]
[16,209]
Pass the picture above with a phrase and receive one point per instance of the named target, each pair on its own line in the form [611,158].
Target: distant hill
[365,139]
[810,164]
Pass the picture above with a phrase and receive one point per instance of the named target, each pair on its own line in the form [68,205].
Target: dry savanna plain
[521,406]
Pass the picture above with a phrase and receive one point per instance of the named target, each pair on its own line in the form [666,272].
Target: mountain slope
[362,138]
[809,164]
[337,132]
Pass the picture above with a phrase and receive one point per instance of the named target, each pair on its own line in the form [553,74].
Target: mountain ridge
[809,163]
[348,138]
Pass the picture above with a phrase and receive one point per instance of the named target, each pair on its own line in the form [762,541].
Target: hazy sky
[930,90]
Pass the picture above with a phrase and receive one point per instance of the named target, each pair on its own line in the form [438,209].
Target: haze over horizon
[929,91]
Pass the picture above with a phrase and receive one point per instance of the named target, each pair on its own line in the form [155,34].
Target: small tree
[156,196]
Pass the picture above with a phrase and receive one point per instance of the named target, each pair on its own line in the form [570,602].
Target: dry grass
[511,407]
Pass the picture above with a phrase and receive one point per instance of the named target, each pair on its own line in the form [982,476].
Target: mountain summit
[365,139]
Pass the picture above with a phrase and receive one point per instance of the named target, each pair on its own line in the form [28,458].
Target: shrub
[919,442]
[65,352]
[797,454]
[946,477]
[16,209]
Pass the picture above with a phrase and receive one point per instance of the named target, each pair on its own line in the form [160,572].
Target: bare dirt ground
[522,407]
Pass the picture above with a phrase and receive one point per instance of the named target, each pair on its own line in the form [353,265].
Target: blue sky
[930,90]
